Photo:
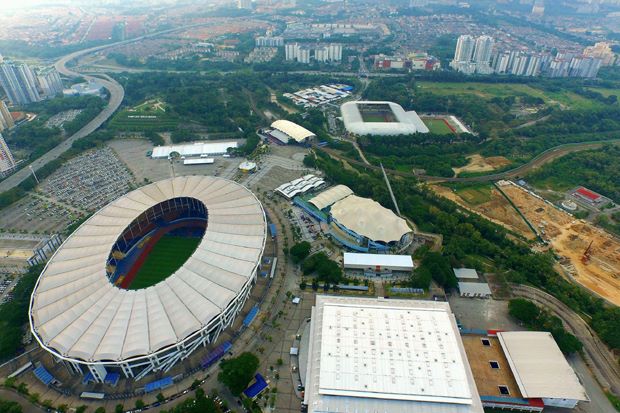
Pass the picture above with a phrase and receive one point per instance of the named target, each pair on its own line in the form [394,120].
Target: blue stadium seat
[112,378]
[43,375]
[251,316]
[158,384]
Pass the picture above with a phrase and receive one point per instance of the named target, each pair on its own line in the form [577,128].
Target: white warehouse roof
[369,219]
[292,130]
[355,260]
[473,288]
[330,196]
[465,273]
[193,149]
[539,367]
[375,355]
[78,314]
[407,123]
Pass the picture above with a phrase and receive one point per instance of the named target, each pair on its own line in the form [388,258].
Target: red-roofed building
[588,195]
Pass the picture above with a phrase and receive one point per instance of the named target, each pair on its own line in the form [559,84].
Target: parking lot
[89,181]
[59,119]
[36,215]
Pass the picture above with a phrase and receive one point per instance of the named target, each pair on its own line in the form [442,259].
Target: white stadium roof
[539,367]
[292,130]
[356,260]
[407,122]
[78,314]
[369,219]
[193,149]
[330,196]
[374,355]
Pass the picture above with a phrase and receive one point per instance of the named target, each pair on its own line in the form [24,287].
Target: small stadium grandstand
[150,277]
[380,118]
[285,131]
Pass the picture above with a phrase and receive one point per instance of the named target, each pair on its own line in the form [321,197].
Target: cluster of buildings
[320,95]
[269,41]
[477,55]
[413,61]
[390,355]
[305,53]
[23,85]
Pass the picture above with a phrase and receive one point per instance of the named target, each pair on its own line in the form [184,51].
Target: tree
[100,409]
[524,310]
[160,397]
[10,407]
[140,404]
[237,372]
[300,251]
[119,408]
[81,409]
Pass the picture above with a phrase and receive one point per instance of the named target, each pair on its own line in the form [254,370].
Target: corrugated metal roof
[539,367]
[474,288]
[465,273]
[76,311]
[374,355]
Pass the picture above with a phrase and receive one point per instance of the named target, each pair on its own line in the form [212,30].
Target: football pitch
[167,256]
[437,126]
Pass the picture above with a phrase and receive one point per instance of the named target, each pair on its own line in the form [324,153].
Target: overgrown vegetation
[14,314]
[535,318]
[325,269]
[236,373]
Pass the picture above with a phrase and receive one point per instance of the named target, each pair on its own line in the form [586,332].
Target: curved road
[116,91]
[541,159]
[598,356]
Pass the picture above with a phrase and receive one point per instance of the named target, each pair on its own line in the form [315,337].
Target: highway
[598,357]
[115,90]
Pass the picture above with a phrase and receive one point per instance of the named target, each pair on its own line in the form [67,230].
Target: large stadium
[380,118]
[151,277]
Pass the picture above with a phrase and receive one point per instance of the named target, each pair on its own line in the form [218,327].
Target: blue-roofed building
[158,385]
[256,388]
[251,316]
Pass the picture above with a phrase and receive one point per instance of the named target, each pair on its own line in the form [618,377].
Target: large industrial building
[376,355]
[196,149]
[381,119]
[82,312]
[359,224]
[522,371]
[285,131]
[377,265]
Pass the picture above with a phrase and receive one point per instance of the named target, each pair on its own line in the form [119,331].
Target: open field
[150,115]
[478,163]
[490,90]
[475,195]
[495,209]
[437,126]
[605,92]
[167,256]
[569,238]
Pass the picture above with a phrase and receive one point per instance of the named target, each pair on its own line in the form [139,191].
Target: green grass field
[475,194]
[151,115]
[437,126]
[491,90]
[167,256]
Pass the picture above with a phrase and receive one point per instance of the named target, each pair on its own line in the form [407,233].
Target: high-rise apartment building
[601,50]
[19,83]
[6,120]
[464,48]
[322,53]
[269,41]
[483,50]
[7,163]
[50,82]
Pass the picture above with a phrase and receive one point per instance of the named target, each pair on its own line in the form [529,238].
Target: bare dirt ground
[497,210]
[569,238]
[478,163]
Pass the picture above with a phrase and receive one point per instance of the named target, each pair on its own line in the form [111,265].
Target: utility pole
[33,174]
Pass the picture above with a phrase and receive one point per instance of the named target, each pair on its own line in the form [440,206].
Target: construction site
[588,255]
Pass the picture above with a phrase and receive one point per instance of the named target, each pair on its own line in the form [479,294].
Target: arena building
[376,355]
[285,131]
[380,118]
[360,224]
[196,149]
[96,309]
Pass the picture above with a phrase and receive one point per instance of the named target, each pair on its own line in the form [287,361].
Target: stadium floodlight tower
[84,311]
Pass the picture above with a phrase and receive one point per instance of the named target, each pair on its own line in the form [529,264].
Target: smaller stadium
[283,132]
[359,224]
[380,118]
